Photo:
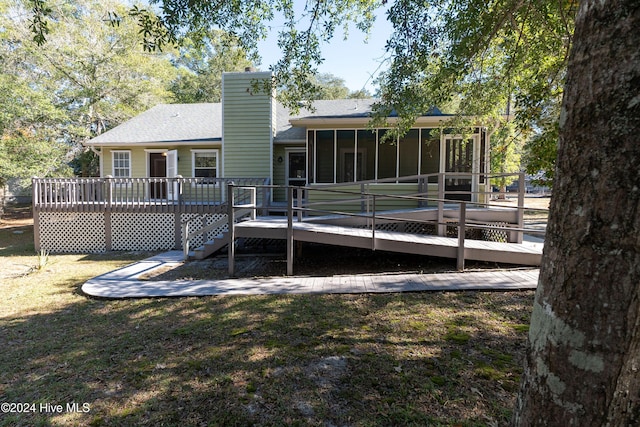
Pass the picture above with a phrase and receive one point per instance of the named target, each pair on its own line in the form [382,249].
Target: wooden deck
[525,253]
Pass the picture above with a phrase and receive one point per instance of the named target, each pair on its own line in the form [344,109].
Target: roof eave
[362,121]
[153,143]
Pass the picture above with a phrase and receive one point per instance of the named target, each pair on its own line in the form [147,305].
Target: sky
[354,60]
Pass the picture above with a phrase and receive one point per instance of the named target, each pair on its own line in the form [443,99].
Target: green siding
[247,127]
[279,169]
[352,202]
[139,159]
[185,167]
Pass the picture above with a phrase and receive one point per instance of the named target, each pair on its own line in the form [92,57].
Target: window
[367,141]
[347,166]
[205,165]
[325,156]
[430,153]
[387,156]
[121,164]
[409,149]
[343,155]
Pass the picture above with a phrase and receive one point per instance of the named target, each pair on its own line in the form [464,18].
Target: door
[296,169]
[172,172]
[163,165]
[157,169]
[459,158]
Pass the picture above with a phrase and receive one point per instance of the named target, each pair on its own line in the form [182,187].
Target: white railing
[134,194]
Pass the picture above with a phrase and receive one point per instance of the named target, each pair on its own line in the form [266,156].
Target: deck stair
[210,247]
[196,227]
[190,230]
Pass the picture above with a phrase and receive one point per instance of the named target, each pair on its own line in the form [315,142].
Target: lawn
[449,359]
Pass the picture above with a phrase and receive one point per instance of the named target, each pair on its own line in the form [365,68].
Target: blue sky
[354,60]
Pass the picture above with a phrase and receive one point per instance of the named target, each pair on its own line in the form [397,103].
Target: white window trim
[147,152]
[298,150]
[193,162]
[113,166]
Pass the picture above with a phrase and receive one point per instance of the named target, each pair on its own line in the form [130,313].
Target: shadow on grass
[268,360]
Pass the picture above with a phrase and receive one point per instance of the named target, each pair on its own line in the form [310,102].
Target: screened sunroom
[354,155]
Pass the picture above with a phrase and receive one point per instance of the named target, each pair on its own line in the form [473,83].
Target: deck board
[124,283]
[478,250]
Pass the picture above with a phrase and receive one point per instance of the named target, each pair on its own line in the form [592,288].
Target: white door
[172,172]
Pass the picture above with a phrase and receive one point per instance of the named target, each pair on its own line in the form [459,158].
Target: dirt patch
[16,216]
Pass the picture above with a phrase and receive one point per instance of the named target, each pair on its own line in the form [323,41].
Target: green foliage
[331,87]
[201,64]
[300,37]
[506,153]
[496,57]
[89,78]
[23,155]
[328,86]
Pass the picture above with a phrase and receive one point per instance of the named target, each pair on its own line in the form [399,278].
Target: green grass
[359,360]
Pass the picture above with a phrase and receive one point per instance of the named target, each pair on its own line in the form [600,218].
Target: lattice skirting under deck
[142,231]
[72,232]
[96,232]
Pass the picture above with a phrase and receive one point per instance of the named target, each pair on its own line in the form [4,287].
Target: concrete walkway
[124,283]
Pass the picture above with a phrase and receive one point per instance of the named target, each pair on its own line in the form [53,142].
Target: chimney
[248,118]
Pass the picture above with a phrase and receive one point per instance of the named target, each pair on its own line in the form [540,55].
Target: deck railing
[339,195]
[136,194]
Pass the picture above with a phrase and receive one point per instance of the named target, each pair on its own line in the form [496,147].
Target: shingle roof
[175,123]
[322,109]
[168,123]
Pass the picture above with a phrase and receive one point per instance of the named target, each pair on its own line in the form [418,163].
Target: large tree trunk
[583,362]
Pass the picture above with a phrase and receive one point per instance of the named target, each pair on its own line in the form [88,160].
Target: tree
[330,86]
[506,146]
[94,76]
[493,58]
[200,67]
[248,22]
[27,138]
[584,352]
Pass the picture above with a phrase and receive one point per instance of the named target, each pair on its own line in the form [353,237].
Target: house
[251,135]
[169,167]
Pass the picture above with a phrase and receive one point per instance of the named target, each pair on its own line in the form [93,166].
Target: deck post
[299,204]
[35,188]
[422,191]
[373,224]
[290,248]
[177,216]
[521,192]
[441,226]
[232,238]
[461,232]
[108,208]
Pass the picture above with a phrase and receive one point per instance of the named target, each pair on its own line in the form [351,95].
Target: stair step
[210,247]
